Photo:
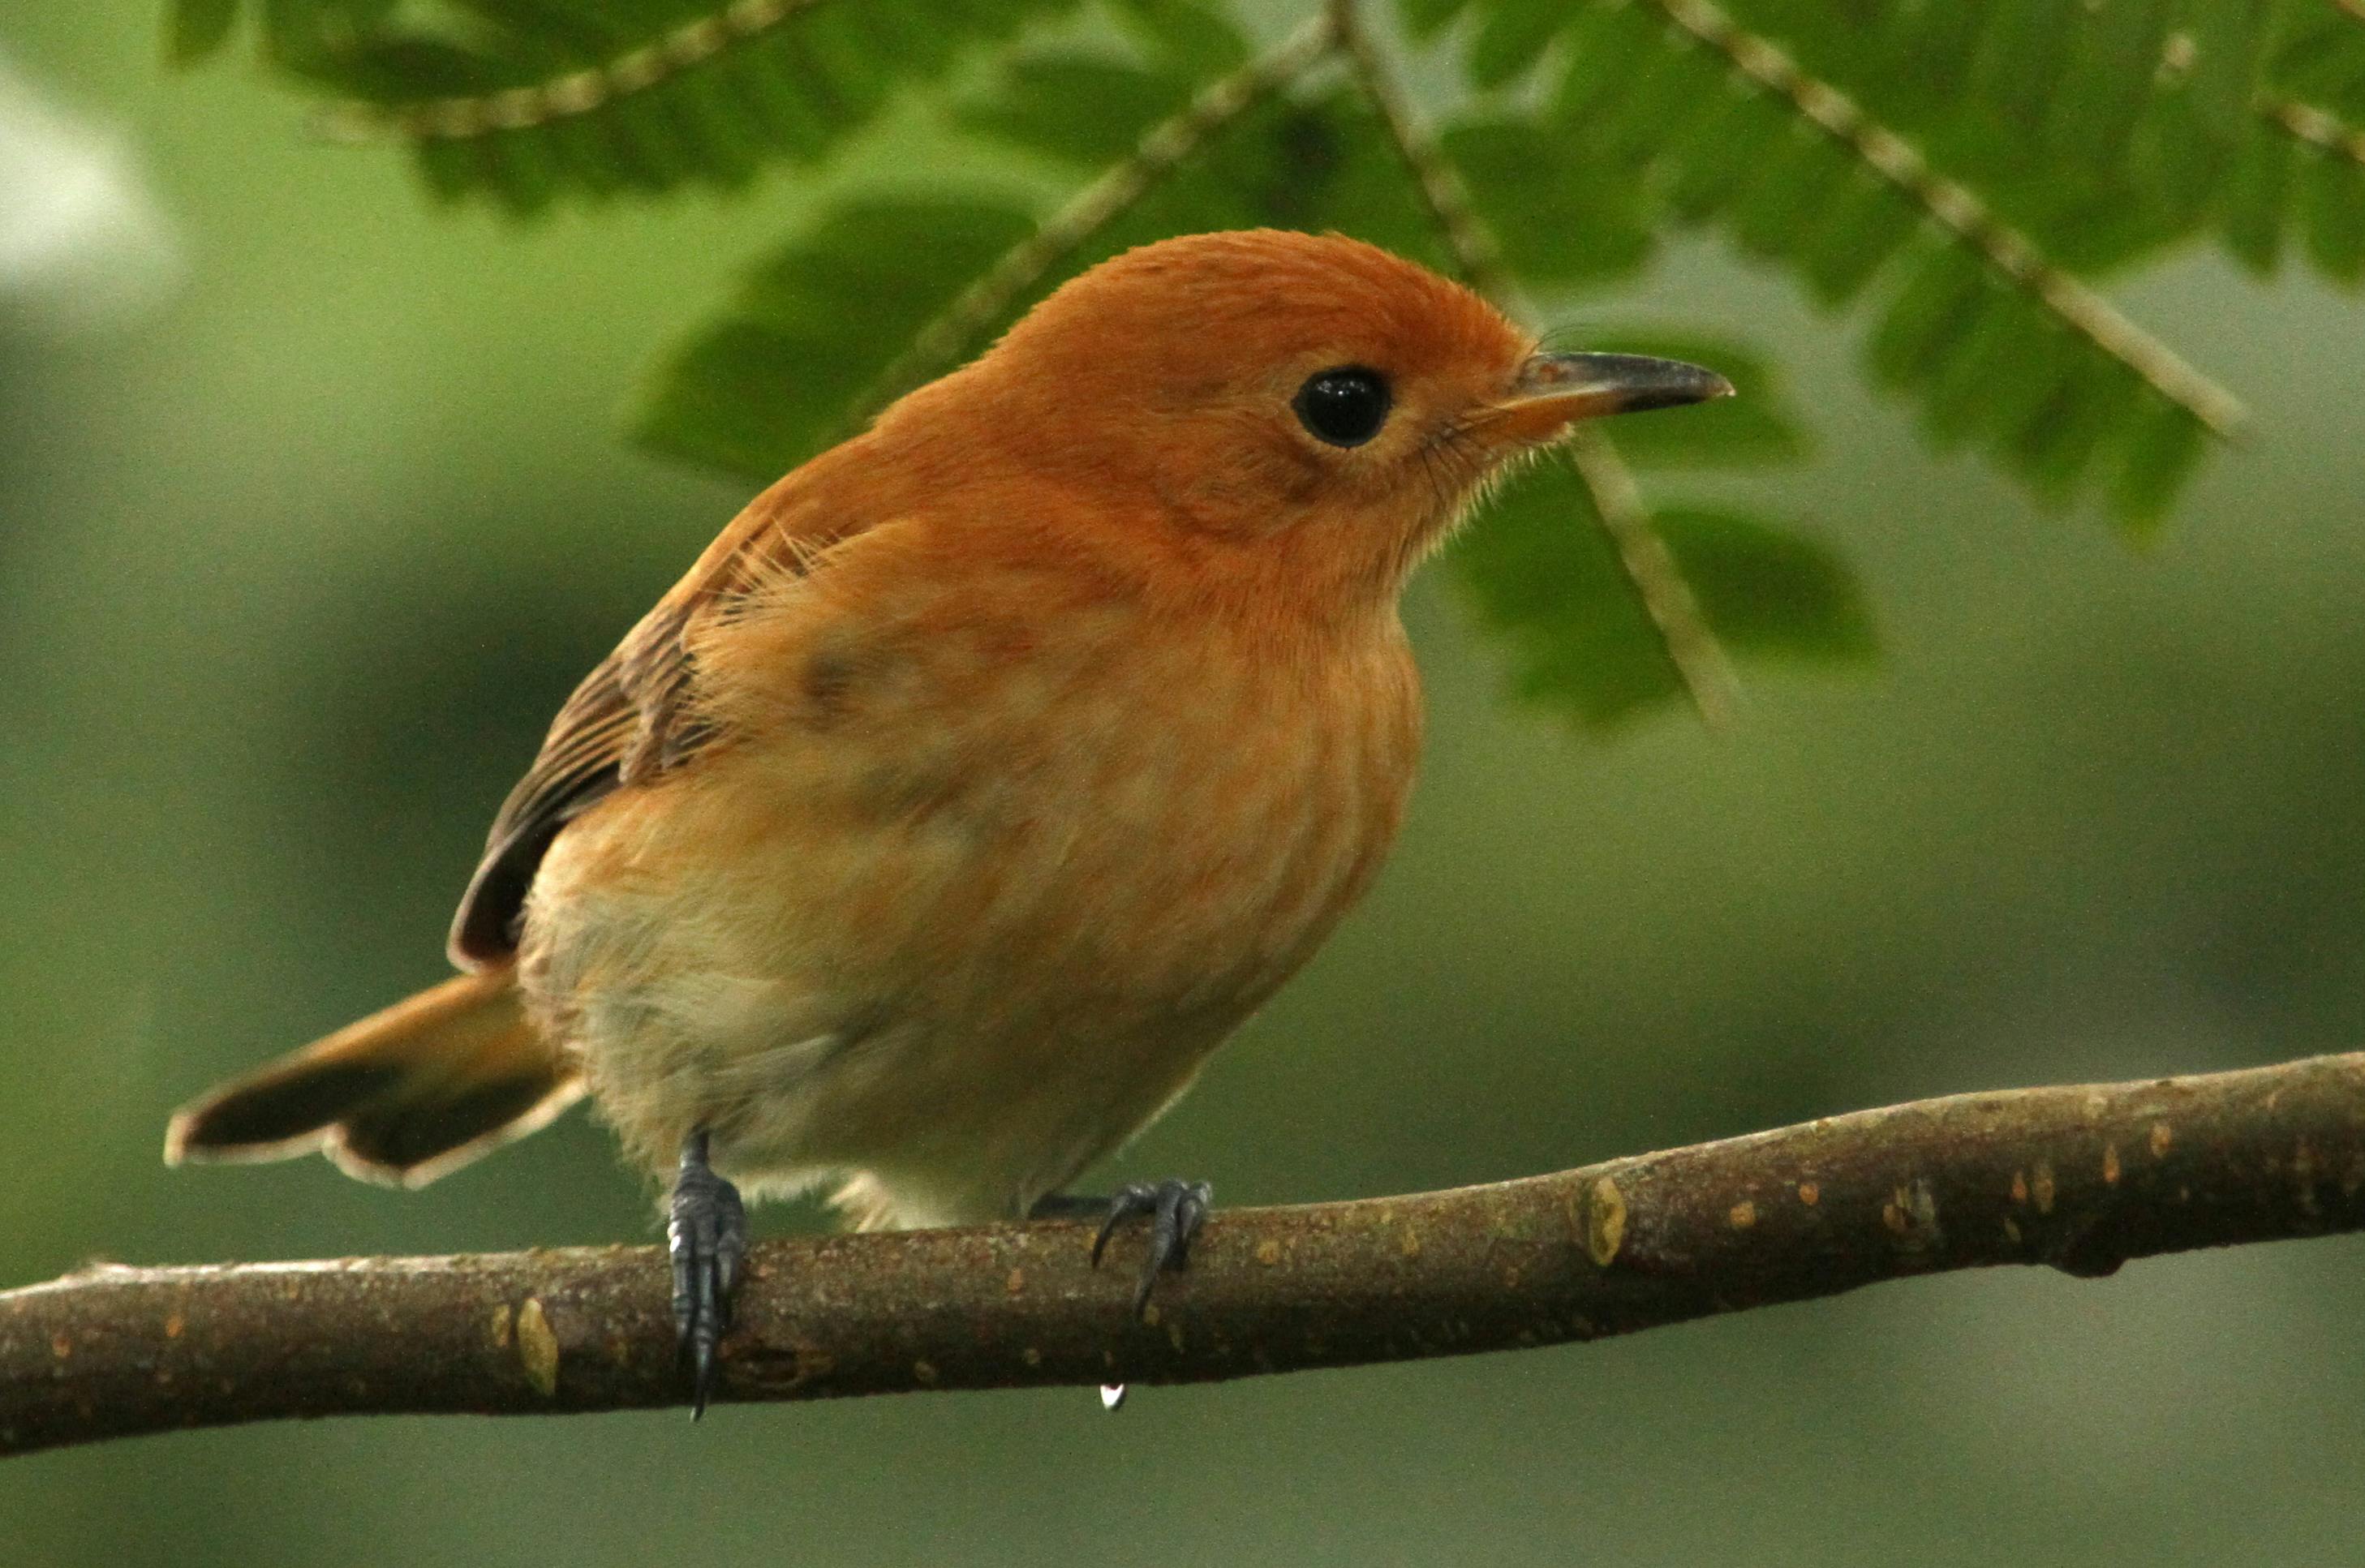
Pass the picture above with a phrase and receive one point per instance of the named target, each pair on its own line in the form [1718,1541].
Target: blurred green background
[311,510]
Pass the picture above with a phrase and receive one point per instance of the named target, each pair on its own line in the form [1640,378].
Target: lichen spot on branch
[1605,1221]
[537,1348]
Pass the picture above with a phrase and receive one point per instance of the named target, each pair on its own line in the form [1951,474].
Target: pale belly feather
[953,953]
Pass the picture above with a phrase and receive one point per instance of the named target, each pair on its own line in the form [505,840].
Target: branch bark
[2077,1178]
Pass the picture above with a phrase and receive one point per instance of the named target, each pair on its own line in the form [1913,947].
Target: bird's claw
[1177,1210]
[707,1235]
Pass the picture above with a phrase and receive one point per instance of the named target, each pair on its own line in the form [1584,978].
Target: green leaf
[532,176]
[1075,107]
[2258,198]
[1292,162]
[2021,57]
[448,168]
[1426,18]
[1542,574]
[1767,593]
[1980,356]
[1720,158]
[1921,323]
[715,111]
[2319,58]
[199,27]
[2163,446]
[773,382]
[1913,54]
[1512,37]
[2106,91]
[2054,448]
[1868,222]
[1197,42]
[1611,50]
[2228,41]
[1803,175]
[1672,87]
[2008,378]
[1561,216]
[2332,204]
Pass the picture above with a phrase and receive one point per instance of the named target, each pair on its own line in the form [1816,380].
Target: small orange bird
[984,775]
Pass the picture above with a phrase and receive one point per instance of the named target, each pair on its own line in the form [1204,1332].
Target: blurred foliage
[1958,170]
[295,562]
[1558,595]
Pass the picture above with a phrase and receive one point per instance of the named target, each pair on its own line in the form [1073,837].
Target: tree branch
[2077,1178]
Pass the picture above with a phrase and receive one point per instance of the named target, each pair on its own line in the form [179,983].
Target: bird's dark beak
[1552,391]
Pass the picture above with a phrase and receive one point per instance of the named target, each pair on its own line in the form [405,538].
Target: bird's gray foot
[707,1235]
[1176,1209]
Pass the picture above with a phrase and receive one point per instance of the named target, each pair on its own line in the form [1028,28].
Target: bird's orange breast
[1017,848]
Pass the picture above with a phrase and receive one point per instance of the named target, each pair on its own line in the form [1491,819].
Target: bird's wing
[631,721]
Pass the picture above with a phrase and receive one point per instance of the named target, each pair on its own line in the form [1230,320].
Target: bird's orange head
[1263,402]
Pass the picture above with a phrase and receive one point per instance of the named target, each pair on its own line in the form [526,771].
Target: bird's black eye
[1345,407]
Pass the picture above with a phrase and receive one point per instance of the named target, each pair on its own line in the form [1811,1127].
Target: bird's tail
[399,1097]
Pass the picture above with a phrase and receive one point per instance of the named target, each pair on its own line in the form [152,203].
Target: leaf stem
[1442,189]
[693,42]
[2317,128]
[1666,593]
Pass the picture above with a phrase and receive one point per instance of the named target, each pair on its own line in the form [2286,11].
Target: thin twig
[2079,1179]
[1961,213]
[2318,128]
[1443,190]
[943,342]
[693,42]
[1700,660]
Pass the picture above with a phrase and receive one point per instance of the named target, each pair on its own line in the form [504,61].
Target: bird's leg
[707,1234]
[1176,1208]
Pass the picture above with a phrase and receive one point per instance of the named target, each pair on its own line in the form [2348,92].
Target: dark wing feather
[631,721]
